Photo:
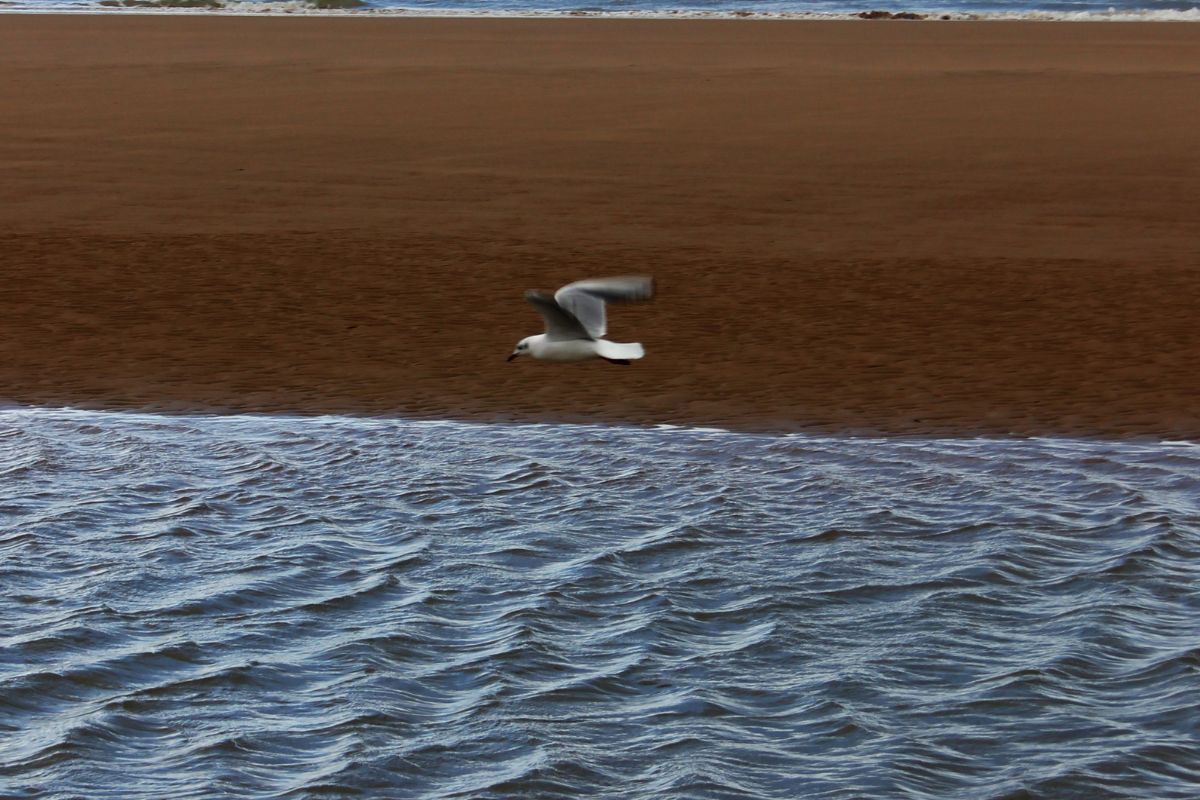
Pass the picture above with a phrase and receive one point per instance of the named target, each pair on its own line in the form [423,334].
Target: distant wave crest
[949,10]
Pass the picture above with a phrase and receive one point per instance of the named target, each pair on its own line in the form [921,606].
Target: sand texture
[948,228]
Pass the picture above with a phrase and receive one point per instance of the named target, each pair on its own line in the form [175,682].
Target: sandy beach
[948,228]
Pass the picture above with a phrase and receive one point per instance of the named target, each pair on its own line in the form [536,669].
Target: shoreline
[299,9]
[200,414]
[883,229]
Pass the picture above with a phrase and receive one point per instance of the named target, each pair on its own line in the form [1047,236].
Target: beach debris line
[891,15]
[575,320]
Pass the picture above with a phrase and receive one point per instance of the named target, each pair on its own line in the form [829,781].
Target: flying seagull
[575,320]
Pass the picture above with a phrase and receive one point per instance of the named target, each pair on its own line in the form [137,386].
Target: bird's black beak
[512,356]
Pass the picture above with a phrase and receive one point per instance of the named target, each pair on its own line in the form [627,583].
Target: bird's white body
[575,321]
[547,349]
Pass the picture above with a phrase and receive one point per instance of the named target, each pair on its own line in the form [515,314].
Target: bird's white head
[522,348]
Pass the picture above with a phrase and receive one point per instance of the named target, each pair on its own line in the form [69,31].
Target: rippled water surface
[214,607]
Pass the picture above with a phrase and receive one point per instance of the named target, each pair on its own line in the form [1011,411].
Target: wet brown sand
[872,226]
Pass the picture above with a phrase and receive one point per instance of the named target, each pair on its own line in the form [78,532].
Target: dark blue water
[215,607]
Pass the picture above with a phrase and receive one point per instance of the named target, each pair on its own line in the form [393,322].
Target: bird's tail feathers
[616,350]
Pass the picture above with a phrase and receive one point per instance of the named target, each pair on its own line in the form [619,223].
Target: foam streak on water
[210,607]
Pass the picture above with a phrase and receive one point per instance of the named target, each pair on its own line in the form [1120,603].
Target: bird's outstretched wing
[584,300]
[560,325]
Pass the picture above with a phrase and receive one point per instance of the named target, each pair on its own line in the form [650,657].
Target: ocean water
[1137,10]
[266,607]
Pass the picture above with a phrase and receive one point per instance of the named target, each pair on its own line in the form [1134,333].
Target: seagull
[575,320]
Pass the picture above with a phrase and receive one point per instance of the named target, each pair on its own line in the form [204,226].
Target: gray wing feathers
[585,299]
[559,324]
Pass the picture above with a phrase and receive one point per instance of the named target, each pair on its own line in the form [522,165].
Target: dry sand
[872,226]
